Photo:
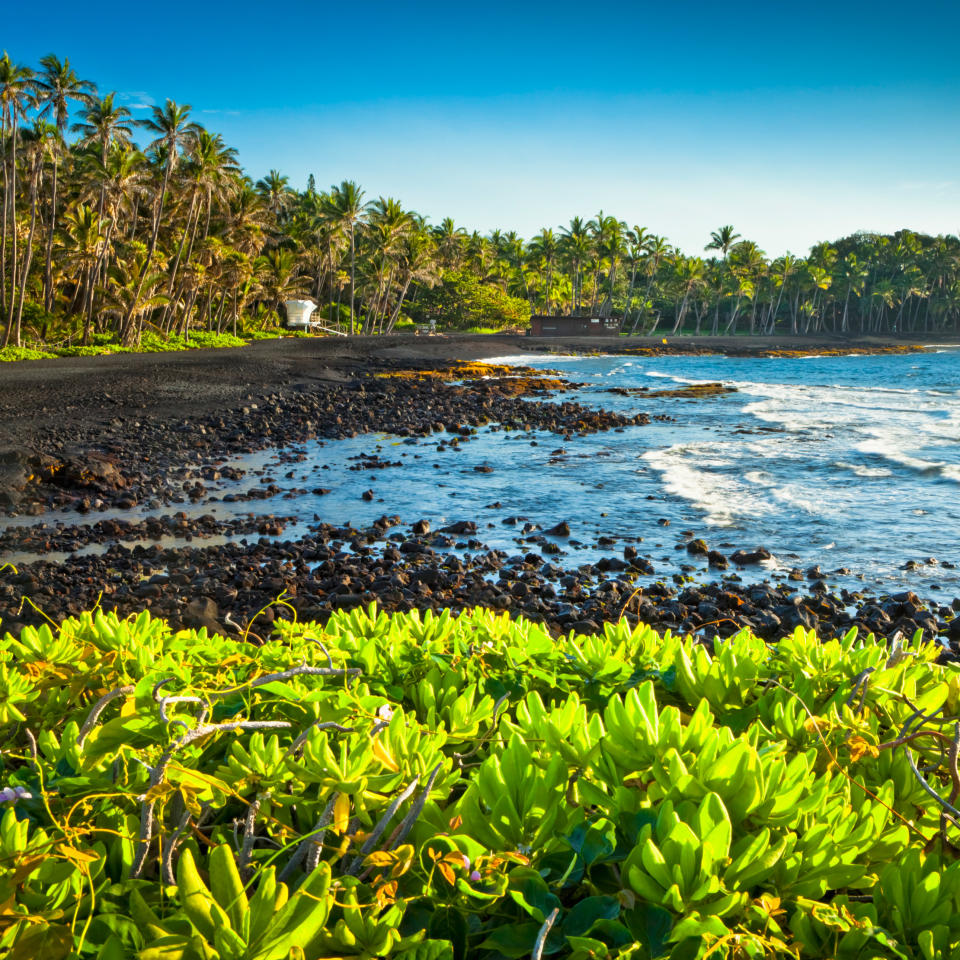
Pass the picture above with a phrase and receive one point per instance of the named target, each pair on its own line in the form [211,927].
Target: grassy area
[437,788]
[150,343]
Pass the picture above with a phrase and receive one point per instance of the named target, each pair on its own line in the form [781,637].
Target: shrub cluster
[439,787]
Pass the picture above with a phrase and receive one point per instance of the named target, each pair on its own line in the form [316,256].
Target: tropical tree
[56,86]
[345,208]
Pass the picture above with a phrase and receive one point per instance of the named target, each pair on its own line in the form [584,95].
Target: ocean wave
[724,499]
[862,471]
[889,448]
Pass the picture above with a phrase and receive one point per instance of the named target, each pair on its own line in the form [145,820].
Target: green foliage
[24,353]
[440,787]
[461,302]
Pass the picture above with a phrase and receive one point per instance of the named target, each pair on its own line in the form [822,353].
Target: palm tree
[543,248]
[36,142]
[575,243]
[170,126]
[56,85]
[722,240]
[275,189]
[450,242]
[417,265]
[131,291]
[277,274]
[608,234]
[16,94]
[344,207]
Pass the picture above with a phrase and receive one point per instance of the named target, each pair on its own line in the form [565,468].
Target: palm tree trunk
[48,268]
[398,307]
[13,239]
[353,264]
[126,325]
[6,202]
[27,258]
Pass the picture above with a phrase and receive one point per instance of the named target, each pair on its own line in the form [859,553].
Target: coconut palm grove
[122,233]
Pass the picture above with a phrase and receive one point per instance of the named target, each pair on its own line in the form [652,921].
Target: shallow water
[849,462]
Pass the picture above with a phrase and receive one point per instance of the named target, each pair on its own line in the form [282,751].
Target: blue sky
[795,123]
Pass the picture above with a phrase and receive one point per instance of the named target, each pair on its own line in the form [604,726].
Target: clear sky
[793,122]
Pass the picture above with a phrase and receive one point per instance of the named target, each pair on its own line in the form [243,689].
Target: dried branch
[169,849]
[157,774]
[861,684]
[98,708]
[326,652]
[400,834]
[320,725]
[377,831]
[165,701]
[544,932]
[249,825]
[312,839]
[304,670]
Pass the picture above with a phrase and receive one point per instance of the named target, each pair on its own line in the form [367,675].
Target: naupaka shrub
[442,787]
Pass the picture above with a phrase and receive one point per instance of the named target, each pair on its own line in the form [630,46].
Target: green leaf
[588,946]
[650,925]
[515,940]
[50,941]
[584,915]
[283,690]
[594,842]
[529,890]
[448,923]
[429,950]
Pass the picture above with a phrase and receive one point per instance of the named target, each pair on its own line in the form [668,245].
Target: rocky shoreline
[133,458]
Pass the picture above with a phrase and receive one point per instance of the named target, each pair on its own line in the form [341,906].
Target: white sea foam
[723,498]
[890,446]
[862,471]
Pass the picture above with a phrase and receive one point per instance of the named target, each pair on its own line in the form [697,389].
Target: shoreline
[46,403]
[115,445]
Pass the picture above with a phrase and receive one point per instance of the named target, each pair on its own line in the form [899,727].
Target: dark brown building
[544,326]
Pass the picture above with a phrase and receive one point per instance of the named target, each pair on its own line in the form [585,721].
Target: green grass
[151,342]
[441,787]
[8,354]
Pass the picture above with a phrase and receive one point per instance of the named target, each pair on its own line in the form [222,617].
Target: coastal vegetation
[440,787]
[120,231]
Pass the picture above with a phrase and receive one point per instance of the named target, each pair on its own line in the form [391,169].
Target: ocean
[850,463]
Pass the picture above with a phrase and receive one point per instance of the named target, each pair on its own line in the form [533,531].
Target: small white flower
[385,712]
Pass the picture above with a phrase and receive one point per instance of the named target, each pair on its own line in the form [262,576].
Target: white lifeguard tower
[298,313]
[298,317]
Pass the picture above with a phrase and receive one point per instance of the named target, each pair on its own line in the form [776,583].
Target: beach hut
[547,326]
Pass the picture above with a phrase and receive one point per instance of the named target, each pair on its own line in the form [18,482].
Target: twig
[157,775]
[170,848]
[544,932]
[926,786]
[249,836]
[165,701]
[408,821]
[861,684]
[303,670]
[315,837]
[326,652]
[98,708]
[494,721]
[320,725]
[377,831]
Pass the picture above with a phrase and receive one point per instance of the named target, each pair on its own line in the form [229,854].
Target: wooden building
[546,326]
